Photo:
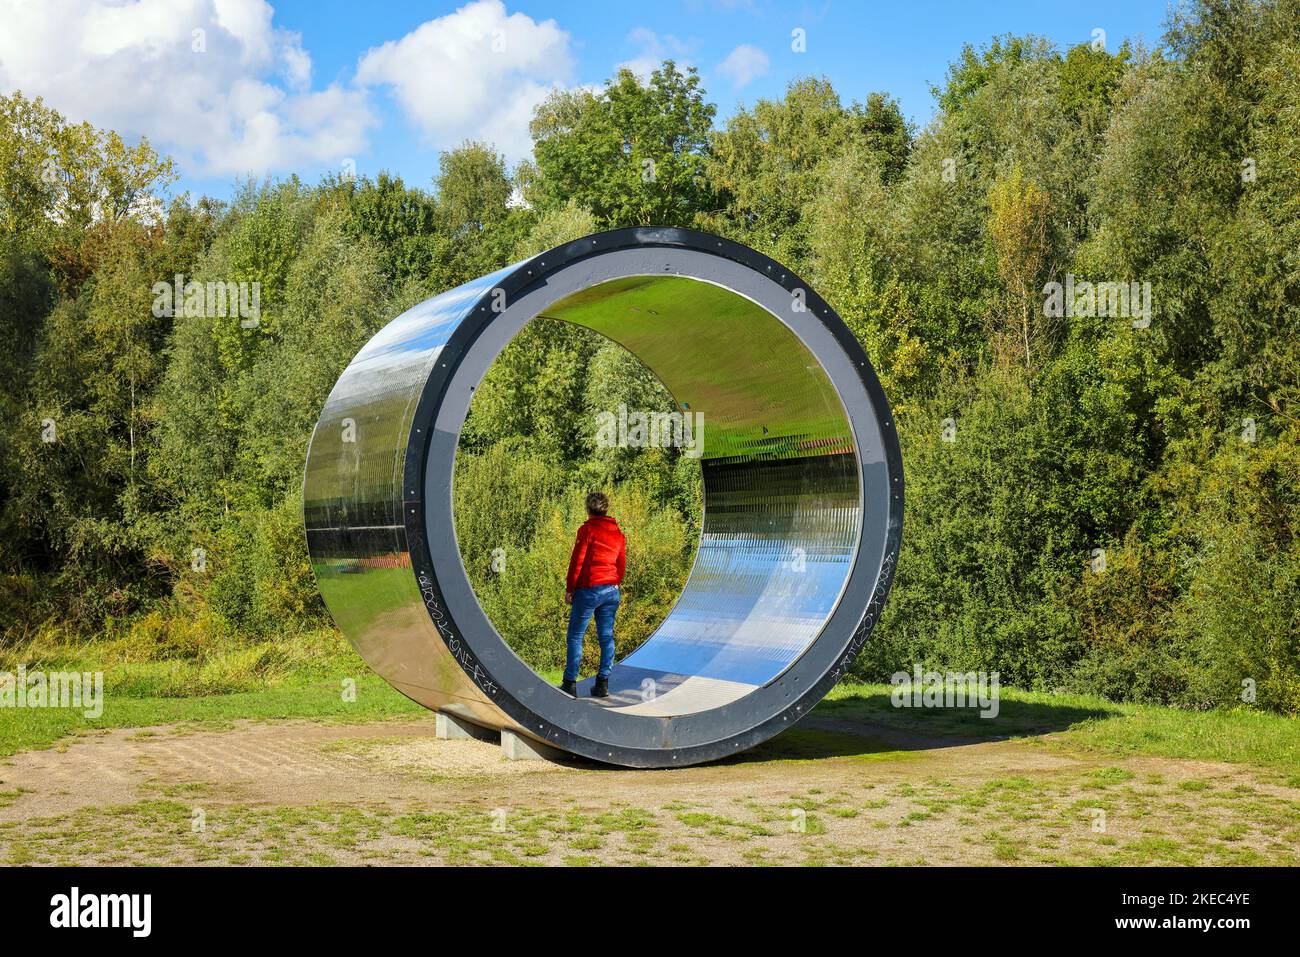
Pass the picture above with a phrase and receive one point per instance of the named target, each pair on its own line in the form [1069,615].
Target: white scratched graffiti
[463,657]
[869,619]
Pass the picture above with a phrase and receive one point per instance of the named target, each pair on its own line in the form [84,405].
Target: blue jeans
[602,601]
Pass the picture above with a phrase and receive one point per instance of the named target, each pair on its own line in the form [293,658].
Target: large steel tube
[803,498]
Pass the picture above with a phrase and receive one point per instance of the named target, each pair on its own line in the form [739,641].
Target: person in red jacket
[595,572]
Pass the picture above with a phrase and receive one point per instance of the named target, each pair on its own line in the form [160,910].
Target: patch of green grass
[1238,736]
[719,826]
[1090,724]
[1004,849]
[1104,777]
[695,819]
[1233,832]
[27,728]
[299,675]
[626,819]
[1155,849]
[812,825]
[1019,712]
[136,664]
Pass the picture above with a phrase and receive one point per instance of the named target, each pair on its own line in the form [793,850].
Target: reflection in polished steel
[802,482]
[781,482]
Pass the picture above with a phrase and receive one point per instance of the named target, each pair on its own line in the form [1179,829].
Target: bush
[525,600]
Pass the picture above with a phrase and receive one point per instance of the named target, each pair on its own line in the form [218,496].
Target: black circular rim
[477,318]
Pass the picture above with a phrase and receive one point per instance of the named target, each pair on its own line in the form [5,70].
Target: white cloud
[743,65]
[476,73]
[212,82]
[654,48]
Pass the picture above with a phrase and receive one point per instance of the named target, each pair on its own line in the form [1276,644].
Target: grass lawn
[1084,723]
[22,729]
[857,794]
[301,677]
[255,684]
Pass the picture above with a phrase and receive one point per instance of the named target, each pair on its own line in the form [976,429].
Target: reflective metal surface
[353,509]
[780,482]
[803,497]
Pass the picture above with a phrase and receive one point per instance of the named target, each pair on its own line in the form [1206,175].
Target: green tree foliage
[633,154]
[477,228]
[1093,503]
[1017,227]
[57,178]
[767,165]
[400,221]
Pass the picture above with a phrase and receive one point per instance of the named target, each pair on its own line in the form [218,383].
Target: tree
[884,134]
[975,68]
[477,226]
[400,220]
[57,180]
[633,154]
[766,166]
[1018,212]
[473,189]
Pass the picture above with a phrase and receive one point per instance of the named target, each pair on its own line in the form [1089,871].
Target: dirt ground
[831,791]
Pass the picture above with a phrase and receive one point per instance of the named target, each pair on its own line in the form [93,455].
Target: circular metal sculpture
[803,498]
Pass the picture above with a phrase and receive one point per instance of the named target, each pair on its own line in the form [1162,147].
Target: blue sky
[308,86]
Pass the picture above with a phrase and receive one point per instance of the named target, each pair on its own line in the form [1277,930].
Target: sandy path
[392,791]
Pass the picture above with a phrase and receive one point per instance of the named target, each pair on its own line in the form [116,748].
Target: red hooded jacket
[599,556]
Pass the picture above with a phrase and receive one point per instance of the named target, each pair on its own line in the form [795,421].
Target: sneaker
[600,688]
[570,688]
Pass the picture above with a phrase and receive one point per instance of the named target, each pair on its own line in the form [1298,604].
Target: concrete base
[452,728]
[516,747]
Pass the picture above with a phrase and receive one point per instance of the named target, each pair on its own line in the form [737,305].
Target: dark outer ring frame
[747,721]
